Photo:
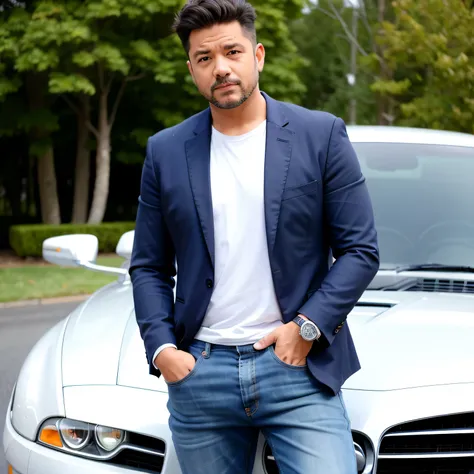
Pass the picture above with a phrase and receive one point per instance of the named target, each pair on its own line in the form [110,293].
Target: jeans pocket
[198,355]
[187,376]
[284,364]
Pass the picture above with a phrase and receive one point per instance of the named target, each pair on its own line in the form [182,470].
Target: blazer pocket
[296,191]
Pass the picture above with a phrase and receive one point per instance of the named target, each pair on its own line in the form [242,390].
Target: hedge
[27,240]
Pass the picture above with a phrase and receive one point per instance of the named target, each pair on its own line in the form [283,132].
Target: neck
[241,119]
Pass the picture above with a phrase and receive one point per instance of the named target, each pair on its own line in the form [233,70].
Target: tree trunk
[101,187]
[353,100]
[82,172]
[50,213]
[47,188]
[382,102]
[11,177]
[31,208]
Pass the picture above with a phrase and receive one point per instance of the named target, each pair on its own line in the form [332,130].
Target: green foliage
[43,118]
[323,43]
[61,83]
[27,240]
[39,147]
[8,86]
[68,39]
[390,87]
[430,49]
[12,115]
[116,49]
[111,57]
[280,77]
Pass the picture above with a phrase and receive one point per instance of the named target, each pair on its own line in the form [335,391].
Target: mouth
[225,86]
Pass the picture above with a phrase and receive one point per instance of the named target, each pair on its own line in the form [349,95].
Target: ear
[190,69]
[260,56]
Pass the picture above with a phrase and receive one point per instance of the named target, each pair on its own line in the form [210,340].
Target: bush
[27,240]
[6,222]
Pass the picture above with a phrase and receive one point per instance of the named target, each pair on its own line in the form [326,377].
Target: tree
[280,77]
[80,51]
[337,37]
[321,41]
[94,56]
[126,43]
[80,208]
[430,48]
[17,37]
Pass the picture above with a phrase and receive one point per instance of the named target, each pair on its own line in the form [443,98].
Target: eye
[234,52]
[204,58]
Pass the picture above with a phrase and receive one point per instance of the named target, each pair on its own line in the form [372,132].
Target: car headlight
[80,438]
[75,434]
[109,438]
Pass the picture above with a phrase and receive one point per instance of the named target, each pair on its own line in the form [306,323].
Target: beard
[243,95]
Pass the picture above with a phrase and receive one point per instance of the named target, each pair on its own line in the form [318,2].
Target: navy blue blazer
[316,205]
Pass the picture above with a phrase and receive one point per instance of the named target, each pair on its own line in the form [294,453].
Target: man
[250,199]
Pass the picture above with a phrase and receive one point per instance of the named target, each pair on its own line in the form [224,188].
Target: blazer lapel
[198,151]
[277,161]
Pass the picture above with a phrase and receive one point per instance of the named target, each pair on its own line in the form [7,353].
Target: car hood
[102,343]
[404,340]
[408,340]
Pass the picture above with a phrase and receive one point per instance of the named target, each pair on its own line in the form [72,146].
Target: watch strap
[299,320]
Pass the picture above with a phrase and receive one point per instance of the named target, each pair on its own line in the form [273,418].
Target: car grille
[442,285]
[441,445]
[143,453]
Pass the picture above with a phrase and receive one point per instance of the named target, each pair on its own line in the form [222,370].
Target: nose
[221,67]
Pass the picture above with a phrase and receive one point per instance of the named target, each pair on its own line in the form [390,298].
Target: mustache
[222,82]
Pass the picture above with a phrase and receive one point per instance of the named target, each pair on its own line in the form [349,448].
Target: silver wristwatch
[308,330]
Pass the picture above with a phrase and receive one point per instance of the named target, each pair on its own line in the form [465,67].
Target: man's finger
[266,341]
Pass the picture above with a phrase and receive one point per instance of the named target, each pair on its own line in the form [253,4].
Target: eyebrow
[227,47]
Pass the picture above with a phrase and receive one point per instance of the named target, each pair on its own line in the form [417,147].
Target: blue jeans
[233,392]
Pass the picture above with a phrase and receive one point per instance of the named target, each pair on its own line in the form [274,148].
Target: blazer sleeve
[152,265]
[349,220]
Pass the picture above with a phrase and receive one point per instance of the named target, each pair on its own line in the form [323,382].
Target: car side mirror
[71,250]
[125,245]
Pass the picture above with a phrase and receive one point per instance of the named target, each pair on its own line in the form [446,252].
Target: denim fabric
[218,409]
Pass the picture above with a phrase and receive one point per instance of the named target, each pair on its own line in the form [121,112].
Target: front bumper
[28,457]
[372,413]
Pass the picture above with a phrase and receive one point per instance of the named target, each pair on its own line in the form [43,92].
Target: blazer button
[209,283]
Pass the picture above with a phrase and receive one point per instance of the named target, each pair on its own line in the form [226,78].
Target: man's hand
[290,347]
[174,364]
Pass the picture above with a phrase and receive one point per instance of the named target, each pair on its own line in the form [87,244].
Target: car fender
[38,393]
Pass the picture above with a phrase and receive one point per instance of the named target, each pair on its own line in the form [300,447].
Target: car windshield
[423,199]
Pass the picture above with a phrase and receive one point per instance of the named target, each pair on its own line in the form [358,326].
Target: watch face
[308,332]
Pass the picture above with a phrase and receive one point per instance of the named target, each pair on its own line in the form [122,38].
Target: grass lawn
[48,281]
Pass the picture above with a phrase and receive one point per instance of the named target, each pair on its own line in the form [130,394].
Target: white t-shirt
[243,307]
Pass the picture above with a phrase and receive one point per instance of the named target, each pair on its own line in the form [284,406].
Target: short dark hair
[197,14]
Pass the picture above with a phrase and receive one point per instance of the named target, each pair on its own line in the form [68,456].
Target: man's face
[225,64]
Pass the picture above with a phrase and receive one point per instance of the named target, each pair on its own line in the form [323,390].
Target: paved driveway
[20,328]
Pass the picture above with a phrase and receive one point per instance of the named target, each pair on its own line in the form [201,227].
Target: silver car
[84,401]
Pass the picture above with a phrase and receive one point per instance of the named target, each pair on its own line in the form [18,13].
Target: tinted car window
[423,198]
